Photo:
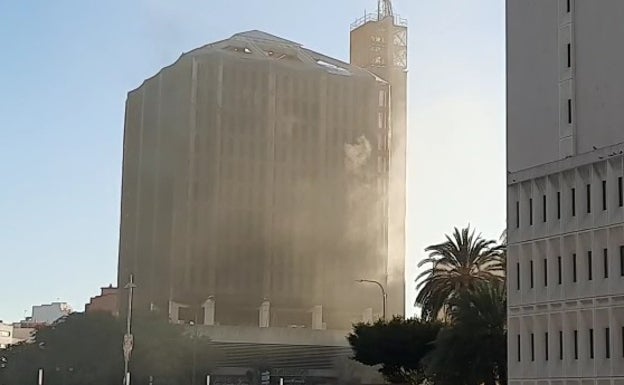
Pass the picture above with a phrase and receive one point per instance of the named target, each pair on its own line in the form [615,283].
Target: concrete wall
[540,83]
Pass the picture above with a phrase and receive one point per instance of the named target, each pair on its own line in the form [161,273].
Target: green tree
[397,346]
[456,265]
[85,349]
[472,348]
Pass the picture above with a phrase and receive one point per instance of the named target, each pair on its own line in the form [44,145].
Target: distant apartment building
[6,335]
[11,334]
[565,133]
[106,302]
[256,182]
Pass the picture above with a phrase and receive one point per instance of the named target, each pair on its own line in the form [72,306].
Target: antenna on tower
[384,9]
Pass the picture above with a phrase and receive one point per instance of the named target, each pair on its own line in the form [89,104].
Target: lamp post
[384,296]
[128,341]
[194,337]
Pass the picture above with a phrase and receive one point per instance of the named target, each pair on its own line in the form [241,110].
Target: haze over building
[259,178]
[565,129]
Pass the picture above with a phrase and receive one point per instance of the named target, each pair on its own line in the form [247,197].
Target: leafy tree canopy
[86,349]
[397,346]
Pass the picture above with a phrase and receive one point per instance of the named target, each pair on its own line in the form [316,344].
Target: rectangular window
[546,346]
[531,211]
[590,270]
[605,262]
[558,204]
[574,267]
[568,6]
[569,111]
[561,345]
[518,276]
[591,343]
[573,202]
[545,272]
[544,208]
[621,191]
[519,351]
[569,55]
[531,273]
[604,195]
[517,214]
[576,344]
[622,261]
[559,272]
[532,347]
[588,188]
[607,343]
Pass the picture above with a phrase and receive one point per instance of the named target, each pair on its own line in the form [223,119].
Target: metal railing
[374,16]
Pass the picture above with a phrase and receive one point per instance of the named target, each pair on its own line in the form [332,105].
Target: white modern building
[565,130]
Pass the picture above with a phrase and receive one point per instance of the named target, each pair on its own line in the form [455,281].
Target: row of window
[574,339]
[574,272]
[573,205]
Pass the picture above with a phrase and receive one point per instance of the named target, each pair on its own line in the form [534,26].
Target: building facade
[565,132]
[106,302]
[255,187]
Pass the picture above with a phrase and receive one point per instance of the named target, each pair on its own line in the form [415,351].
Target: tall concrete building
[565,132]
[255,187]
[379,44]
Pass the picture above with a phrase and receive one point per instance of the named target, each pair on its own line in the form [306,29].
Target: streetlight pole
[128,339]
[384,296]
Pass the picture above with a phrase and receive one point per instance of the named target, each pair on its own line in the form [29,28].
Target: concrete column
[317,318]
[265,314]
[174,312]
[209,312]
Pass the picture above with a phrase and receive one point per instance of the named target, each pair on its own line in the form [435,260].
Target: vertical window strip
[591,344]
[604,195]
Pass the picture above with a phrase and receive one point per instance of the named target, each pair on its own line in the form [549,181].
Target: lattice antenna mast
[384,9]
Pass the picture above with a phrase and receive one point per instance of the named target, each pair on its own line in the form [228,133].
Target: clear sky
[65,69]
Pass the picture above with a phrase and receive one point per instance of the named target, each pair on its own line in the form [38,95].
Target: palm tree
[472,349]
[457,265]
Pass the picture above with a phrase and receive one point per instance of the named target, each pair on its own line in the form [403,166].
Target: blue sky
[66,67]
